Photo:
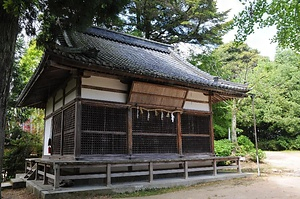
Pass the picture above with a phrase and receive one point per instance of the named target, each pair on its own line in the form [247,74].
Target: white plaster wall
[104,82]
[71,84]
[58,104]
[49,106]
[70,97]
[196,106]
[59,94]
[193,95]
[47,135]
[103,95]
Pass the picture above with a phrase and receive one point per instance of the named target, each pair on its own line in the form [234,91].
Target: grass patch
[148,192]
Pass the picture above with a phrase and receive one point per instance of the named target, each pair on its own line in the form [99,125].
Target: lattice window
[151,122]
[56,134]
[153,132]
[69,130]
[99,143]
[154,144]
[192,144]
[103,130]
[69,118]
[195,124]
[96,118]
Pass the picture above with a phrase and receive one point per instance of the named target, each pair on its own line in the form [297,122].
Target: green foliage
[261,155]
[194,21]
[24,67]
[285,15]
[277,101]
[281,143]
[223,147]
[20,145]
[244,146]
[221,120]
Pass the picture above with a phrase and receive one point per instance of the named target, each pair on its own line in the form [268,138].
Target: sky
[260,40]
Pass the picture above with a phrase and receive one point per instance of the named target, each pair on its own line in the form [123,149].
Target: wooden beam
[211,125]
[179,134]
[129,131]
[78,118]
[150,172]
[62,133]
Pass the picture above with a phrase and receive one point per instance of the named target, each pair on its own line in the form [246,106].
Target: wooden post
[211,125]
[36,171]
[129,131]
[186,170]
[179,134]
[56,168]
[78,116]
[215,167]
[150,171]
[108,174]
[238,162]
[62,133]
[45,178]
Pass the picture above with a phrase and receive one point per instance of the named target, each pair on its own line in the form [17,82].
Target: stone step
[6,185]
[18,183]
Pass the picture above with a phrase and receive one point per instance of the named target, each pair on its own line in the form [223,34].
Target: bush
[295,144]
[19,147]
[261,155]
[244,146]
[223,147]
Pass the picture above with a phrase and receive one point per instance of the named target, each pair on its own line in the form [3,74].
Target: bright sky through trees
[260,40]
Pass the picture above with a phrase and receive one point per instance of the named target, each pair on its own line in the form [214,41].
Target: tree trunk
[8,36]
[233,122]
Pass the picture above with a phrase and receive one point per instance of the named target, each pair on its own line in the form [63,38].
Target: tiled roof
[117,51]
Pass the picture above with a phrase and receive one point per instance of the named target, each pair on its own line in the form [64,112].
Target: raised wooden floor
[111,170]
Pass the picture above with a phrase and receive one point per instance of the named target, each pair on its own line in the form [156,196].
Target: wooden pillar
[108,174]
[186,170]
[56,168]
[78,117]
[36,171]
[62,132]
[238,163]
[129,131]
[45,178]
[215,167]
[179,134]
[211,126]
[150,171]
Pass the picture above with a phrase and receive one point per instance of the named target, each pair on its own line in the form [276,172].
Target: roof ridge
[128,39]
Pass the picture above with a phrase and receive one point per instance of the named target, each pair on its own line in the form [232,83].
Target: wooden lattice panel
[192,144]
[195,124]
[56,134]
[103,130]
[69,131]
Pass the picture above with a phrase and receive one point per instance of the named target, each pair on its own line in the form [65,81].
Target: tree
[285,15]
[277,102]
[233,63]
[172,21]
[54,15]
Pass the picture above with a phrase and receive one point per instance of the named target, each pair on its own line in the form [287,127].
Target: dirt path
[283,182]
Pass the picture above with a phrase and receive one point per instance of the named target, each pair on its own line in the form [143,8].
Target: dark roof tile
[123,52]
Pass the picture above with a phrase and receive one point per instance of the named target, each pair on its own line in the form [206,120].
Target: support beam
[179,134]
[108,174]
[211,126]
[129,131]
[150,171]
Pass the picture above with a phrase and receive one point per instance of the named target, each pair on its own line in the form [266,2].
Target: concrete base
[47,191]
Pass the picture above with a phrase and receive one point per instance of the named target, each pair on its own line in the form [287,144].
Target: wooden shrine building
[114,98]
